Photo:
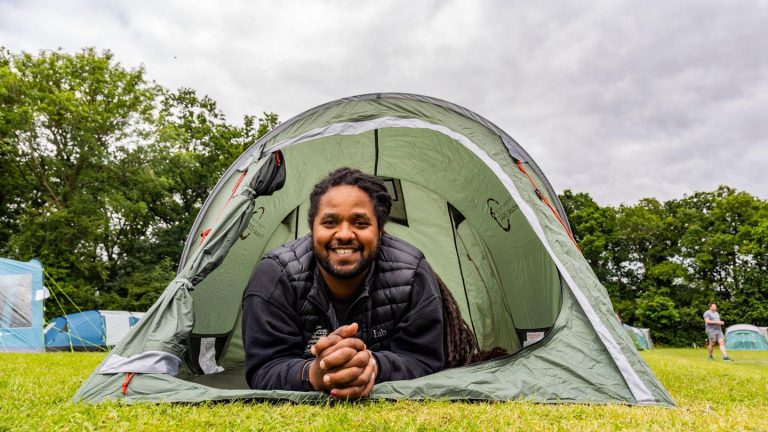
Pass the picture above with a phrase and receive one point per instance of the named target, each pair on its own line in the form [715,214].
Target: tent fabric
[21,306]
[745,337]
[483,225]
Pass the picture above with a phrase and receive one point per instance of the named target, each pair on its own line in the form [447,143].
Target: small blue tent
[21,306]
[745,337]
[82,331]
[91,330]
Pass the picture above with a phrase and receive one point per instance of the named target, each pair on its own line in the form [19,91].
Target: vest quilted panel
[378,313]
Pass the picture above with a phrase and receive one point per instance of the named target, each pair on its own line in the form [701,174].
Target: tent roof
[271,140]
[745,327]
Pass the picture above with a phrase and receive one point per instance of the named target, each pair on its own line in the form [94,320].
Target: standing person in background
[713,326]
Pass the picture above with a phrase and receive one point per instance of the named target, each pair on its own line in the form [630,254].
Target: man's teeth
[344,251]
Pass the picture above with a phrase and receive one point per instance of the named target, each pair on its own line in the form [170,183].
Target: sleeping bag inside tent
[464,192]
[745,337]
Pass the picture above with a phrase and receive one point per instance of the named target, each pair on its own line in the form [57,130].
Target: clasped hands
[343,365]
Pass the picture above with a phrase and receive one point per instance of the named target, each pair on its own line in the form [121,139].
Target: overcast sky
[620,99]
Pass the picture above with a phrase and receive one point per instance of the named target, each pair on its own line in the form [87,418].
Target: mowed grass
[36,389]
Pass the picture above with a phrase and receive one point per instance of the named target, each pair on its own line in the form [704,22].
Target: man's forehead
[347,196]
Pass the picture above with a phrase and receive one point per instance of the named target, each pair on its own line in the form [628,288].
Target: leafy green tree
[657,311]
[103,172]
[72,113]
[15,193]
[663,262]
[193,147]
[592,227]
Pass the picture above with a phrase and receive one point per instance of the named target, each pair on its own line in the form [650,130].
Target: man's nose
[344,233]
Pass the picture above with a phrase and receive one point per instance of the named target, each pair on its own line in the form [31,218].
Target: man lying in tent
[347,306]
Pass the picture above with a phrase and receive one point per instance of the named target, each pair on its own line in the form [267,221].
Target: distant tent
[90,330]
[642,342]
[745,337]
[647,334]
[21,306]
[464,192]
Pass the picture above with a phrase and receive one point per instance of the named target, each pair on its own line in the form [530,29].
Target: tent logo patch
[500,212]
[255,226]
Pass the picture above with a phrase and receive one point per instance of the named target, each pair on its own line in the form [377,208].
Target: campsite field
[35,393]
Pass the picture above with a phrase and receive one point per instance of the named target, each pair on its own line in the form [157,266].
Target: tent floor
[231,379]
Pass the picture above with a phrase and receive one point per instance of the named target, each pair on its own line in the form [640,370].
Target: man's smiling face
[345,233]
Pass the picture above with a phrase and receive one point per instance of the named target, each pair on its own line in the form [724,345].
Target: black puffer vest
[382,303]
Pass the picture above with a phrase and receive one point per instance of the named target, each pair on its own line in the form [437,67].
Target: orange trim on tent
[207,231]
[546,201]
[128,378]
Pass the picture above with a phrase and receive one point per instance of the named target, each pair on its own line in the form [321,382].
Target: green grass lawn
[35,393]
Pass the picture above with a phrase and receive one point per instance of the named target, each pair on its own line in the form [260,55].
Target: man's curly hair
[382,202]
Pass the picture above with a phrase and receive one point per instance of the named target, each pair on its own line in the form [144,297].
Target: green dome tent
[745,337]
[464,192]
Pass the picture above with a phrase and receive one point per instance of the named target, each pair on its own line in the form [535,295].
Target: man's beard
[360,267]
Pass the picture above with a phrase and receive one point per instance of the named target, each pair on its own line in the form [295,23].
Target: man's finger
[341,333]
[346,331]
[343,377]
[353,343]
[353,376]
[337,359]
[359,359]
[324,343]
[355,391]
[368,387]
[347,393]
[369,373]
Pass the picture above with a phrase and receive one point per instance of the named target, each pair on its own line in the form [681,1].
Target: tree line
[664,262]
[103,171]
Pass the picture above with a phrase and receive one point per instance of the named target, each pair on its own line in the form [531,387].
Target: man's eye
[328,223]
[361,224]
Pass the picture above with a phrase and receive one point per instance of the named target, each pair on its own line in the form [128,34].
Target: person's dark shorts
[715,336]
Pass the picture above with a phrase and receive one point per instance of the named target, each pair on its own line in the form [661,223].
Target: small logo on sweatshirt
[379,333]
[319,332]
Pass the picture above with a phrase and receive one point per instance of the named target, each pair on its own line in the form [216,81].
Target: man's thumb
[346,331]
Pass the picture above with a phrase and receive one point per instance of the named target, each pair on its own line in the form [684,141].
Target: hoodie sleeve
[272,338]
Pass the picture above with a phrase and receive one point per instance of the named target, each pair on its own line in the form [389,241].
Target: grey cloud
[621,99]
